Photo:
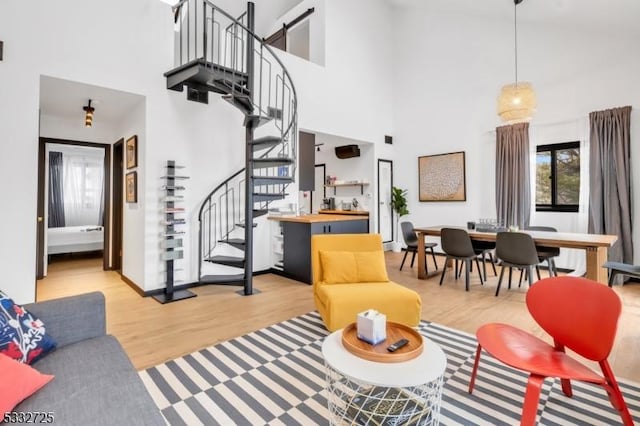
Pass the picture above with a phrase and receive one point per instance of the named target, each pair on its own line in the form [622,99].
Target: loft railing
[206,33]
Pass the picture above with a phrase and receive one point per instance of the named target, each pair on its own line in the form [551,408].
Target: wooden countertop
[315,218]
[351,212]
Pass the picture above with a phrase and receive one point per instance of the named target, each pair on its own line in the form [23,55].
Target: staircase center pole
[248,208]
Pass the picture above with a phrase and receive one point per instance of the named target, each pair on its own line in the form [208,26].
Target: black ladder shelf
[172,245]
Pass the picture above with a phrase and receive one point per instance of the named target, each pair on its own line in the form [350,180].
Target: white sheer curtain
[83,180]
[567,131]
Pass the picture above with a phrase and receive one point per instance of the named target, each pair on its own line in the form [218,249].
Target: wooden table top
[548,239]
[315,218]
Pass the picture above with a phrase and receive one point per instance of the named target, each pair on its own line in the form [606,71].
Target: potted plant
[399,206]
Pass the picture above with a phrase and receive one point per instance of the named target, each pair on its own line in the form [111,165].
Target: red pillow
[19,381]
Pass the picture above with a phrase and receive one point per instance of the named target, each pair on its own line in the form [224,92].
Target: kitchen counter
[317,218]
[296,232]
[347,212]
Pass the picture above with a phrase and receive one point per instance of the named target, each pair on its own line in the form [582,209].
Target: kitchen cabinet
[297,232]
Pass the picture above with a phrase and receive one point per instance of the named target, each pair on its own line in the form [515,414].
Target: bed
[72,239]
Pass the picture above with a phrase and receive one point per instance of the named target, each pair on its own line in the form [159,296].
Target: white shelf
[336,185]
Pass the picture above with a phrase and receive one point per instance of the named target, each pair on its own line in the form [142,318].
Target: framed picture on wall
[442,177]
[131,187]
[132,152]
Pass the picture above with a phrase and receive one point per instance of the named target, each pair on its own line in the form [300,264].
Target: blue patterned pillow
[22,334]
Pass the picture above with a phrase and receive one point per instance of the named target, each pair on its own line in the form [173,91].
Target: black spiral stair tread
[242,102]
[259,212]
[234,242]
[241,225]
[267,196]
[271,162]
[265,142]
[271,180]
[237,262]
[198,73]
[234,279]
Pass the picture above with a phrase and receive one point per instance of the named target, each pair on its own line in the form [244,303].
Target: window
[558,177]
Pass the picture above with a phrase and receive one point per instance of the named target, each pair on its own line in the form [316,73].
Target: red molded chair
[579,314]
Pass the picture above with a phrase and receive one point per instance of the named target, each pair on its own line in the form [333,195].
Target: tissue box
[371,326]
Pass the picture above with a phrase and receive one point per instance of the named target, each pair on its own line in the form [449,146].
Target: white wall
[125,51]
[66,128]
[360,169]
[350,96]
[448,73]
[317,27]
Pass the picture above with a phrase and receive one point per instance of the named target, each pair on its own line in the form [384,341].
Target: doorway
[385,212]
[320,191]
[118,206]
[72,213]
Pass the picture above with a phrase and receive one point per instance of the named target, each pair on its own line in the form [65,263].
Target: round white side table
[362,392]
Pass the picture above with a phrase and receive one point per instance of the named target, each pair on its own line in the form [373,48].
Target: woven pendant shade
[517,102]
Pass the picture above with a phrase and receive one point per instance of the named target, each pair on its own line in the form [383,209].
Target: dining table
[595,245]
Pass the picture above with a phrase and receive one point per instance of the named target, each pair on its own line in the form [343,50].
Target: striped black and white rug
[276,376]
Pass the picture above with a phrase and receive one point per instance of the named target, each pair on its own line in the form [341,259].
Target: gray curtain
[610,206]
[513,193]
[56,196]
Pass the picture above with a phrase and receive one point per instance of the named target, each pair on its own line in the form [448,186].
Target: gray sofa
[95,382]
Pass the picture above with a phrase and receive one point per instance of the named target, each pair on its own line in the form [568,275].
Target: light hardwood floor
[152,333]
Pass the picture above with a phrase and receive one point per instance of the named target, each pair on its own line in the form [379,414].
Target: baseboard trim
[187,286]
[132,284]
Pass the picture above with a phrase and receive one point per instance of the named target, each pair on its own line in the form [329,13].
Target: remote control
[397,345]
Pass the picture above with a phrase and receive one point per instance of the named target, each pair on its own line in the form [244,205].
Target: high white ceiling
[65,99]
[600,16]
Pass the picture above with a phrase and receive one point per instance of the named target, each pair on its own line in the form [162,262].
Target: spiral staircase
[221,54]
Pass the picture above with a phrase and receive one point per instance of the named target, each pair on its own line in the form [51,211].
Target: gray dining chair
[484,250]
[411,240]
[547,254]
[457,246]
[516,250]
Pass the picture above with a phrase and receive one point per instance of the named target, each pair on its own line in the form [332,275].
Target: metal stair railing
[206,32]
[207,35]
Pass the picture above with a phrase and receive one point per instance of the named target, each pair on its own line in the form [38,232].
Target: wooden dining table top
[548,239]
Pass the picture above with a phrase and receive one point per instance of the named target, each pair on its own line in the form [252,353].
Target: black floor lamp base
[177,295]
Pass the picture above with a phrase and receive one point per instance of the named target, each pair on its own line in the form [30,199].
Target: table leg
[422,270]
[596,257]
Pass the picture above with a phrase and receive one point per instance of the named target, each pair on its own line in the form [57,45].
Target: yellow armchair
[350,276]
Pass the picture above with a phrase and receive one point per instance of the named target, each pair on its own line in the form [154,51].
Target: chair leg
[500,280]
[457,270]
[467,272]
[566,387]
[480,272]
[555,270]
[616,399]
[403,259]
[433,256]
[413,257]
[538,272]
[520,279]
[531,399]
[510,272]
[530,275]
[612,277]
[444,270]
[424,259]
[484,265]
[550,267]
[474,372]
[493,265]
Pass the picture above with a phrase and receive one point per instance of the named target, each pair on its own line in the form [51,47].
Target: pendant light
[88,116]
[517,101]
